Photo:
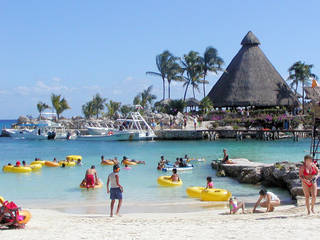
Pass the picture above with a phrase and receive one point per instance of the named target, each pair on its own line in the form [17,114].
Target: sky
[78,48]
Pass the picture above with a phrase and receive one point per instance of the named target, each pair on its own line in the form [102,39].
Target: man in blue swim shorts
[115,189]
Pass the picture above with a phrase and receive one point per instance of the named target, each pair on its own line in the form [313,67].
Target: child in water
[174,177]
[126,167]
[209,182]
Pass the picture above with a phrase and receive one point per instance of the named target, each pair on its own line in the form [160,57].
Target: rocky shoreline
[282,174]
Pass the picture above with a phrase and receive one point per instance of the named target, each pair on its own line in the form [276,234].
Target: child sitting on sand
[209,182]
[235,205]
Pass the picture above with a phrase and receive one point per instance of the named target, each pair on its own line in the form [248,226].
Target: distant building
[251,80]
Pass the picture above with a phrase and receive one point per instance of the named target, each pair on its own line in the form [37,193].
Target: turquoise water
[56,186]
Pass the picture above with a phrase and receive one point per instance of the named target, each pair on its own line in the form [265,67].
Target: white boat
[97,130]
[45,129]
[170,168]
[134,127]
[135,123]
[117,136]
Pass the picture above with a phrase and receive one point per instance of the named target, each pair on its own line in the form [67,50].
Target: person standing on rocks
[308,175]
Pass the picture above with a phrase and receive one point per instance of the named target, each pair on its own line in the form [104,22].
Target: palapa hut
[251,80]
[192,103]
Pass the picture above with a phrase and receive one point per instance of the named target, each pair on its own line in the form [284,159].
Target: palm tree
[162,63]
[98,104]
[59,104]
[137,100]
[41,106]
[211,62]
[89,109]
[174,71]
[125,109]
[112,107]
[192,71]
[206,104]
[147,97]
[300,73]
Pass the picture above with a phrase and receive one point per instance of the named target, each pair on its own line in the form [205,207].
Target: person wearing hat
[115,189]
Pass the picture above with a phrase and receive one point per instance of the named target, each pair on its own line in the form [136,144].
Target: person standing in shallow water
[308,175]
[115,189]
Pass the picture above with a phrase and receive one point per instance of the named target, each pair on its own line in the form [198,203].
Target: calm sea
[57,187]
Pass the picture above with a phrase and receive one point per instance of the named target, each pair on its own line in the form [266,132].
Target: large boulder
[250,175]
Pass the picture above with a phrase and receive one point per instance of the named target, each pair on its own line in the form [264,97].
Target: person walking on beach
[308,174]
[195,123]
[115,189]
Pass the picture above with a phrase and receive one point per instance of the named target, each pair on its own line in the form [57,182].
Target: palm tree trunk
[164,88]
[169,89]
[194,96]
[303,97]
[185,92]
[204,86]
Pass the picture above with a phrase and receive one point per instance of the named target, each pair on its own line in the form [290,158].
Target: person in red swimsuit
[91,177]
[308,175]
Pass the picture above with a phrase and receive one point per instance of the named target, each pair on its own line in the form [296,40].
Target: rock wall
[281,174]
[178,135]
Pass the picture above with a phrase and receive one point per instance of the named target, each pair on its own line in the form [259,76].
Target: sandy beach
[288,222]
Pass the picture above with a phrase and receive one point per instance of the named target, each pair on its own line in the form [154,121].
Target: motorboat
[97,130]
[45,129]
[135,123]
[117,136]
[133,127]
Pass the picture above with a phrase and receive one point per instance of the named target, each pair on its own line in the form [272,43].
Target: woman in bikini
[308,175]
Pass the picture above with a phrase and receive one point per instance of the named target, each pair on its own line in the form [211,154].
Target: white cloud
[43,88]
[56,79]
[3,92]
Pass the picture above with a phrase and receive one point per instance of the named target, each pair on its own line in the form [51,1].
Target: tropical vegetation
[41,106]
[112,107]
[192,69]
[145,98]
[94,107]
[59,104]
[300,73]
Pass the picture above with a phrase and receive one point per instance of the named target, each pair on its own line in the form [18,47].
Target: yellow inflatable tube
[38,162]
[7,168]
[74,157]
[215,194]
[51,164]
[126,162]
[166,182]
[1,200]
[27,216]
[21,169]
[194,192]
[99,185]
[67,164]
[36,167]
[107,162]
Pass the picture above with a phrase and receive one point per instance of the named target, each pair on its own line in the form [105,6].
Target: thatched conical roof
[192,102]
[251,80]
